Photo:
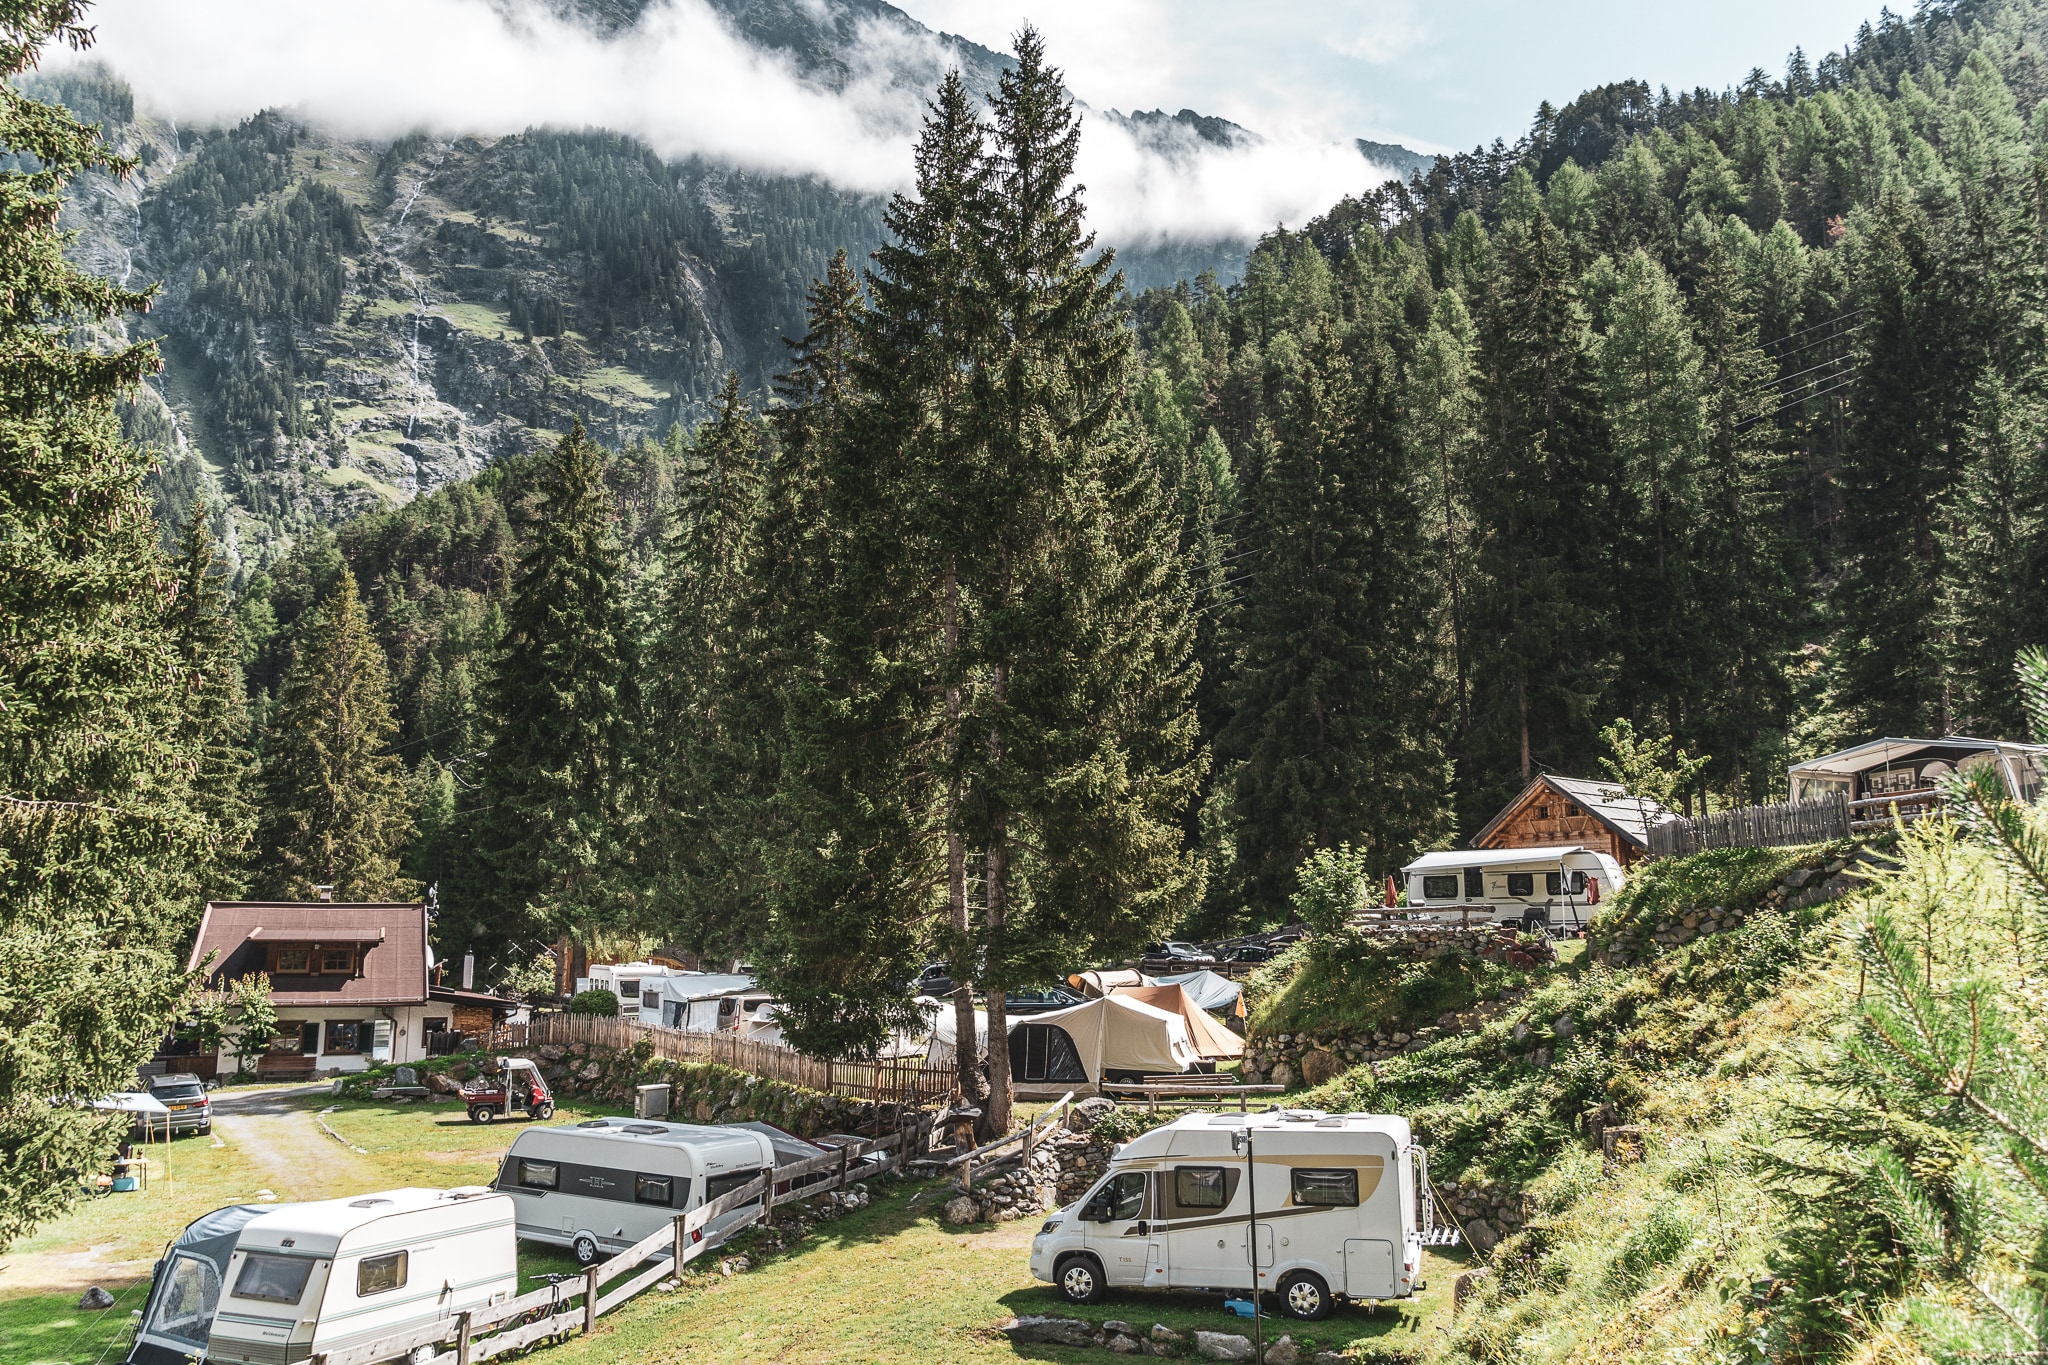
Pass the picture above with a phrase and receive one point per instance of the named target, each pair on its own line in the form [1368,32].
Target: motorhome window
[653,1189]
[1440,888]
[1328,1188]
[292,960]
[1475,883]
[1553,883]
[1522,885]
[540,1175]
[1201,1187]
[718,1186]
[342,1036]
[191,1293]
[273,1279]
[337,960]
[1578,883]
[380,1274]
[1121,1198]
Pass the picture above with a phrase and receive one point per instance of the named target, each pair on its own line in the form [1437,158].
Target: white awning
[1453,859]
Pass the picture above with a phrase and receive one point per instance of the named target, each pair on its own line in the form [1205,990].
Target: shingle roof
[392,938]
[1625,815]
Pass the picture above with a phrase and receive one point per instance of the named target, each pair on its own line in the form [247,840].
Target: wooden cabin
[1557,811]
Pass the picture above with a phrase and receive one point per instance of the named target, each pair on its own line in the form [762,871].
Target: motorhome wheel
[585,1250]
[1080,1279]
[1303,1295]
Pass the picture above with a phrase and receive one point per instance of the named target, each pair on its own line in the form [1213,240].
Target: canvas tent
[1213,991]
[690,1000]
[1113,1038]
[1214,1042]
[945,1031]
[1097,984]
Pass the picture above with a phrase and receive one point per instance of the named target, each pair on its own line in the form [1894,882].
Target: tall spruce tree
[1338,701]
[1441,413]
[552,805]
[99,839]
[215,722]
[336,810]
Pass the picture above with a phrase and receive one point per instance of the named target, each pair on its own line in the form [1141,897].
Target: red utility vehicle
[518,1088]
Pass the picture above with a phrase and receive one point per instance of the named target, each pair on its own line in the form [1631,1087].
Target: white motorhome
[1537,888]
[309,1279]
[1337,1200]
[599,1186]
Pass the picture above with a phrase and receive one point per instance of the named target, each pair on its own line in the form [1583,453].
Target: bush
[599,1002]
[1332,886]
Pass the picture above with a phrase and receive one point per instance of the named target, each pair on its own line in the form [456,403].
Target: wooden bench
[285,1066]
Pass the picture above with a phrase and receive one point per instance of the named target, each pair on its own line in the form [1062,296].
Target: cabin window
[1327,1188]
[273,1279]
[1521,885]
[185,1312]
[1201,1187]
[1475,884]
[293,961]
[344,1036]
[1543,812]
[652,1189]
[337,961]
[540,1175]
[1121,1198]
[1553,883]
[380,1274]
[1440,888]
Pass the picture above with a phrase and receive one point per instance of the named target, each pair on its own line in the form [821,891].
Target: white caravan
[1536,888]
[310,1279]
[1338,1201]
[184,1289]
[695,1002]
[600,1186]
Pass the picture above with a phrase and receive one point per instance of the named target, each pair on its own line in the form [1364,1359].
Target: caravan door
[1369,1269]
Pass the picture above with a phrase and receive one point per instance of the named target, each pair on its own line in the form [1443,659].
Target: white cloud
[1389,35]
[683,82]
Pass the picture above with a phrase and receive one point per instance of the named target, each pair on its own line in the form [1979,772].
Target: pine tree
[1441,430]
[552,800]
[1544,514]
[99,843]
[215,722]
[1337,703]
[335,811]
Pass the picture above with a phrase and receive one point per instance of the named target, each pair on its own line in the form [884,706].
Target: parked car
[1038,1002]
[1175,951]
[1248,952]
[936,982]
[184,1094]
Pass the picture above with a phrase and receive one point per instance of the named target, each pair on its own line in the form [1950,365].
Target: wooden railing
[1028,1135]
[907,1081]
[563,1310]
[1784,825]
[1191,1091]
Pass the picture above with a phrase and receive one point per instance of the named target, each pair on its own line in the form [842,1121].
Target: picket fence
[1784,825]
[907,1081]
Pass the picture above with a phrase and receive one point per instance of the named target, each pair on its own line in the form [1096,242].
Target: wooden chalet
[1571,811]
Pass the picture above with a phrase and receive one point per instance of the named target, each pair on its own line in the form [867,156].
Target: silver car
[185,1096]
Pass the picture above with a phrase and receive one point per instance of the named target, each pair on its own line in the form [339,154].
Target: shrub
[599,1002]
[1332,886]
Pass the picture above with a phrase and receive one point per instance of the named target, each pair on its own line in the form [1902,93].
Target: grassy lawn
[888,1283]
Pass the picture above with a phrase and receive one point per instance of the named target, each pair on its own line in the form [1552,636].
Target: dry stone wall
[703,1092]
[1637,941]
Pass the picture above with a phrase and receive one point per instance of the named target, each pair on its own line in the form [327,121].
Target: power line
[1829,322]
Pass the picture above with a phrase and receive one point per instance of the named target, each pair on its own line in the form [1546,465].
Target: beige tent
[1113,1038]
[1097,984]
[1211,1039]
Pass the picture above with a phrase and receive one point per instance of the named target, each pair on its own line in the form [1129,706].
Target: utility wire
[1829,322]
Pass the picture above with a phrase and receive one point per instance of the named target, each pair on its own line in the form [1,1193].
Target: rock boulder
[1222,1346]
[1039,1331]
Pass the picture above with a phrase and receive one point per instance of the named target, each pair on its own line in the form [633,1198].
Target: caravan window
[185,1312]
[719,1186]
[1440,888]
[1202,1187]
[1327,1188]
[653,1189]
[540,1175]
[273,1279]
[380,1274]
[1521,885]
[1475,883]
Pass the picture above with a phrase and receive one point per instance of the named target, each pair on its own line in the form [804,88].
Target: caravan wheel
[585,1250]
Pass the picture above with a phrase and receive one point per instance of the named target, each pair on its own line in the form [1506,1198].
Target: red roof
[391,938]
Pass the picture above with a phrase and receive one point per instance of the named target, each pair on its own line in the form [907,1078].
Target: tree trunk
[996,1114]
[965,1052]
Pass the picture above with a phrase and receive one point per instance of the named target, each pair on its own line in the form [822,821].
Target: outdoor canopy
[1097,984]
[1214,1042]
[1213,991]
[1079,1045]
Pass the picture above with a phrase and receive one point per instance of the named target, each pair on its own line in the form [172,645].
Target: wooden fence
[904,1080]
[1787,823]
[561,1311]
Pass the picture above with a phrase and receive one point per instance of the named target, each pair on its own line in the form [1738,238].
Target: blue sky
[1437,76]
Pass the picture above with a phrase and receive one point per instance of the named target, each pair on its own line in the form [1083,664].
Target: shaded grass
[1353,983]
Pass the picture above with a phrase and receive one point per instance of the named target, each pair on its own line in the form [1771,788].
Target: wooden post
[462,1340]
[682,1246]
[590,1300]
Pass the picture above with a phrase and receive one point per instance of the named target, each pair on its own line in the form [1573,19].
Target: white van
[1337,1207]
[600,1186]
[1536,888]
[314,1278]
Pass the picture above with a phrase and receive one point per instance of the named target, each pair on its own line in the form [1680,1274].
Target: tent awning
[1211,990]
[1214,1042]
[1118,1033]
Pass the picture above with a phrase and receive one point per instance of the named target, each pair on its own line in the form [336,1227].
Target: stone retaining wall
[1060,1171]
[703,1092]
[1825,880]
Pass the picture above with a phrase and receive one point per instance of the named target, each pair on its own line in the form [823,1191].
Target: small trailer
[311,1280]
[184,1286]
[599,1186]
[518,1088]
[1338,1205]
[1535,888]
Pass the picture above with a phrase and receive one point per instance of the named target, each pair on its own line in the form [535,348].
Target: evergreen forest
[960,601]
